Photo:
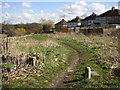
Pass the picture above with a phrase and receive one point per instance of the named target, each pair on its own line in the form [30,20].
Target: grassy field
[88,57]
[97,52]
[57,57]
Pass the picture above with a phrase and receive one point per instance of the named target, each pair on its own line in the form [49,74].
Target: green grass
[8,65]
[89,57]
[57,58]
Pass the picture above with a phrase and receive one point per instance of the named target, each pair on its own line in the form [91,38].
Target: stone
[17,77]
[56,59]
[22,69]
[93,73]
[38,75]
[46,81]
[88,72]
[70,71]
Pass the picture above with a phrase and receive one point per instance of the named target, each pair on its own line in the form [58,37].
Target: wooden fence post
[5,45]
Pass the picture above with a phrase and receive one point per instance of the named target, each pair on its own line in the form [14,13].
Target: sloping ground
[95,52]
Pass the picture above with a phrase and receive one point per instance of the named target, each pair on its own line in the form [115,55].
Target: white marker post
[88,72]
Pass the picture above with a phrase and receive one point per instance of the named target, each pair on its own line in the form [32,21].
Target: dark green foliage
[31,28]
[8,29]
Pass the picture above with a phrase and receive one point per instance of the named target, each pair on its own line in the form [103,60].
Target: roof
[112,12]
[77,19]
[91,17]
[61,22]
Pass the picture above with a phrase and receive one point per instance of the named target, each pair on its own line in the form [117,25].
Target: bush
[8,29]
[19,31]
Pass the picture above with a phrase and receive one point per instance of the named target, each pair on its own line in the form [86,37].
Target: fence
[4,45]
[21,59]
[91,30]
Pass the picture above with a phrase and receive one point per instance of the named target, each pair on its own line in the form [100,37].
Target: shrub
[19,31]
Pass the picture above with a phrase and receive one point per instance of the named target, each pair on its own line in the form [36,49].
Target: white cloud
[109,8]
[44,15]
[97,8]
[27,10]
[81,9]
[26,15]
[28,18]
[31,10]
[116,7]
[6,5]
[70,11]
[73,10]
[26,4]
[0,6]
[82,3]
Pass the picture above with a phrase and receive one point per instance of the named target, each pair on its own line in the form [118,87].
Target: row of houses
[110,18]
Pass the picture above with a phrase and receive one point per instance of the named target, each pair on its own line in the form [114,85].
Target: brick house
[74,22]
[89,21]
[61,25]
[110,18]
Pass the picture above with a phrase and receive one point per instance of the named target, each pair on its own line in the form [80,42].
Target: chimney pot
[113,8]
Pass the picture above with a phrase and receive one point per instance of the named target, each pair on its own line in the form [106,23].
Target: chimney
[93,13]
[113,8]
[62,20]
[77,17]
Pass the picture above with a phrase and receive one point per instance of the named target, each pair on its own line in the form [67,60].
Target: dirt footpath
[59,80]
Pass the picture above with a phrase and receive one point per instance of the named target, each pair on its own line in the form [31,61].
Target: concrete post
[34,61]
[88,72]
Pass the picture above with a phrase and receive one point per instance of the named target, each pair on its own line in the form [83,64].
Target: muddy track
[59,80]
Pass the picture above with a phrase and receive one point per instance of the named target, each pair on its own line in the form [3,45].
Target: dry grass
[107,46]
[18,46]
[49,43]
[63,35]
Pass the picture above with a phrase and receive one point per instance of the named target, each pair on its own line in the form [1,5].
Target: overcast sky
[28,12]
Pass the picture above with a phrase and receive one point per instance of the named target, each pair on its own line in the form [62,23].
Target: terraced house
[89,20]
[61,25]
[110,18]
[76,22]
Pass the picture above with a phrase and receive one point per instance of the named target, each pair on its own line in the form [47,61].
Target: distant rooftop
[77,19]
[61,22]
[91,17]
[112,12]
